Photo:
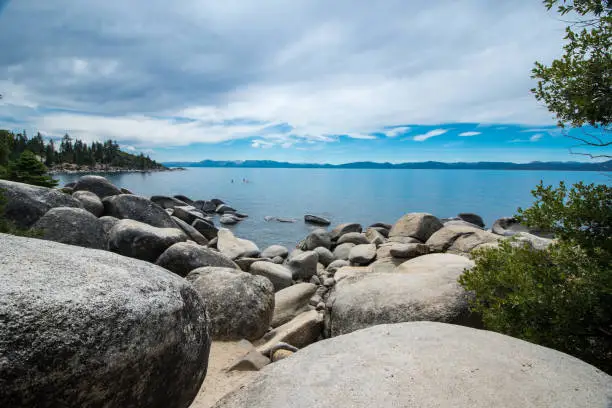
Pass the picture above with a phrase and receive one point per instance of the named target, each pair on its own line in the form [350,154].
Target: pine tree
[28,169]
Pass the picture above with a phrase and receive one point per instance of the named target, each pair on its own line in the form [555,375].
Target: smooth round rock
[183,257]
[88,328]
[416,225]
[138,240]
[137,208]
[72,226]
[90,201]
[97,185]
[275,250]
[425,365]
[314,219]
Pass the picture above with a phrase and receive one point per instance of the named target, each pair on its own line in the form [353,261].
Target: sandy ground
[218,381]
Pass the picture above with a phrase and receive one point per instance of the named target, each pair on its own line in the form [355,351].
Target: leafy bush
[560,297]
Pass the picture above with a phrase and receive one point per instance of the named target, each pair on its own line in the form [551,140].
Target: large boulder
[188,214]
[425,365]
[191,232]
[89,328]
[97,185]
[342,251]
[138,240]
[416,225]
[304,265]
[234,247]
[408,251]
[25,203]
[275,250]
[107,222]
[314,219]
[90,202]
[325,256]
[137,208]
[167,202]
[356,238]
[362,254]
[317,238]
[277,274]
[183,257]
[472,219]
[342,229]
[240,305]
[72,226]
[292,301]
[423,288]
[462,239]
[205,206]
[206,228]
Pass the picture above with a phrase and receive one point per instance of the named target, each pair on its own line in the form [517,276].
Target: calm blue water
[346,195]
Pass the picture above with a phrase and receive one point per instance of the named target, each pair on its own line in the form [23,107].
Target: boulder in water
[314,219]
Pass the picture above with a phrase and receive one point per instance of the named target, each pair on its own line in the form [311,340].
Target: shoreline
[112,170]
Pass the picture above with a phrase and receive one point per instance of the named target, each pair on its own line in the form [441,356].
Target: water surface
[346,195]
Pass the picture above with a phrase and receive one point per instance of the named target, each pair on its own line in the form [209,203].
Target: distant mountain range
[567,166]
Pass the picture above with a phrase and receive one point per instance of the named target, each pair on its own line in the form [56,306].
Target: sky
[293,80]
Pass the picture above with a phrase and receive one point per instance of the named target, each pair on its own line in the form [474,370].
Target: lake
[345,195]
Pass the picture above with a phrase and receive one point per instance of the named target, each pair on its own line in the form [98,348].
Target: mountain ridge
[432,165]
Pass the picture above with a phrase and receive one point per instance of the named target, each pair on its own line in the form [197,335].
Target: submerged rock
[89,328]
[314,219]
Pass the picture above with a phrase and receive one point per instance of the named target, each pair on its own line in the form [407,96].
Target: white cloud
[470,134]
[323,70]
[536,137]
[431,133]
[397,131]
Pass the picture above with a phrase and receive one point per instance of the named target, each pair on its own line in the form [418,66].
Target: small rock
[291,302]
[320,306]
[334,266]
[206,228]
[315,280]
[317,238]
[188,214]
[280,354]
[326,257]
[342,229]
[191,232]
[472,219]
[245,263]
[375,237]
[234,247]
[329,282]
[274,251]
[252,361]
[342,251]
[184,257]
[277,274]
[408,250]
[224,208]
[303,266]
[314,219]
[362,254]
[353,237]
[90,201]
[227,219]
[299,332]
[278,260]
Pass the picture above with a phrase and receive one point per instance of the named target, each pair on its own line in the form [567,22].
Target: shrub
[28,169]
[560,297]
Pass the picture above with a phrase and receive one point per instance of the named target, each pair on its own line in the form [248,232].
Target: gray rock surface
[138,208]
[299,332]
[277,274]
[245,263]
[107,223]
[191,232]
[240,305]
[275,250]
[459,239]
[408,251]
[72,226]
[97,185]
[89,328]
[335,265]
[472,219]
[375,237]
[206,228]
[342,251]
[292,301]
[356,238]
[362,254]
[314,219]
[224,208]
[342,229]
[188,214]
[167,202]
[229,219]
[424,288]
[184,199]
[325,256]
[533,241]
[142,241]
[234,247]
[205,206]
[317,238]
[183,257]
[416,225]
[304,265]
[90,202]
[425,365]
[25,203]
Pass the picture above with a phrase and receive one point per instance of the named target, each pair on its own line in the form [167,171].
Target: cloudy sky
[296,80]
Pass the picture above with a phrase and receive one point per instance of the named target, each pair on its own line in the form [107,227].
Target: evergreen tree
[28,169]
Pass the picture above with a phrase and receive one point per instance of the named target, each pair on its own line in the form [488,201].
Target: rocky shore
[99,168]
[119,300]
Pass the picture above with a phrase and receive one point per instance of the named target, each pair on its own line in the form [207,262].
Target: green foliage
[582,215]
[576,87]
[28,169]
[559,297]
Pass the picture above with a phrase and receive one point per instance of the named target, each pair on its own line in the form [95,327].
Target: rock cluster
[335,282]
